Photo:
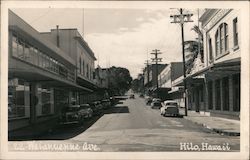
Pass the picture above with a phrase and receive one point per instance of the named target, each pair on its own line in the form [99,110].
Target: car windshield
[171,103]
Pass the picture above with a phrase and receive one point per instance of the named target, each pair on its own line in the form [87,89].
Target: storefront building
[215,88]
[42,79]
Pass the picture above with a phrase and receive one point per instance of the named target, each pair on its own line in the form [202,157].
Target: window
[221,38]
[217,45]
[210,49]
[87,70]
[226,37]
[217,95]
[18,98]
[80,66]
[235,32]
[83,67]
[14,46]
[225,94]
[20,49]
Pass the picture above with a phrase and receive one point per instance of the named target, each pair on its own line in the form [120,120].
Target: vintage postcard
[124,80]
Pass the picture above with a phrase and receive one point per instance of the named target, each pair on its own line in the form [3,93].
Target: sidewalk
[220,125]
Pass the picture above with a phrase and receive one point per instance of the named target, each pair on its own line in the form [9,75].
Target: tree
[119,80]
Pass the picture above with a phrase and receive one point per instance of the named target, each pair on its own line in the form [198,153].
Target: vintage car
[156,103]
[132,96]
[169,108]
[70,115]
[85,111]
[106,103]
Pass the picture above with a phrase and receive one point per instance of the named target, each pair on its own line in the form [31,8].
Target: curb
[216,130]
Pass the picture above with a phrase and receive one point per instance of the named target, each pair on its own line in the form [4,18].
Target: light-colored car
[156,103]
[169,108]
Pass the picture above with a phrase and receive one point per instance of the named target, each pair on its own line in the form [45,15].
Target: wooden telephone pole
[181,19]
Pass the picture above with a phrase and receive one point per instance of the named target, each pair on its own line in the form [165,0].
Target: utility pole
[147,68]
[181,19]
[156,59]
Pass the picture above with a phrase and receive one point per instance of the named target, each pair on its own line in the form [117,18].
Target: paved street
[133,126]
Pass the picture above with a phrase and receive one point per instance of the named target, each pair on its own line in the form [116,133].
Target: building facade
[215,88]
[42,79]
[151,73]
[70,41]
[166,78]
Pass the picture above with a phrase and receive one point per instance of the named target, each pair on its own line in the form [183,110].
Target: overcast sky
[119,37]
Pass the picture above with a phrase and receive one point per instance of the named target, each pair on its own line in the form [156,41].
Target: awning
[215,70]
[31,73]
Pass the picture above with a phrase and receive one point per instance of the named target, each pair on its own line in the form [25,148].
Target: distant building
[166,78]
[151,77]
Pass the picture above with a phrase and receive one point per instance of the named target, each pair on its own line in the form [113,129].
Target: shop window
[217,95]
[210,95]
[235,32]
[225,87]
[46,101]
[236,92]
[18,98]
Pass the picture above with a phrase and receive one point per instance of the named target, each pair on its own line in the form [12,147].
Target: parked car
[148,100]
[169,108]
[85,111]
[99,105]
[70,114]
[156,103]
[106,103]
[132,96]
[95,108]
[141,95]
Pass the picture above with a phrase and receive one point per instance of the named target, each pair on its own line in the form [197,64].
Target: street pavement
[134,126]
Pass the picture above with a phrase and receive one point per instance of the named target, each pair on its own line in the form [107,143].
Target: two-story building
[215,87]
[42,79]
[70,41]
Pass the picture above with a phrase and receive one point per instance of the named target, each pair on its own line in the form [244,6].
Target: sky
[119,37]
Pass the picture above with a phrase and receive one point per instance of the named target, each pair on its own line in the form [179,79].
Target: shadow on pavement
[67,131]
[117,109]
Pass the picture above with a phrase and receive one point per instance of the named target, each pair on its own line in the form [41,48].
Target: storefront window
[46,101]
[18,98]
